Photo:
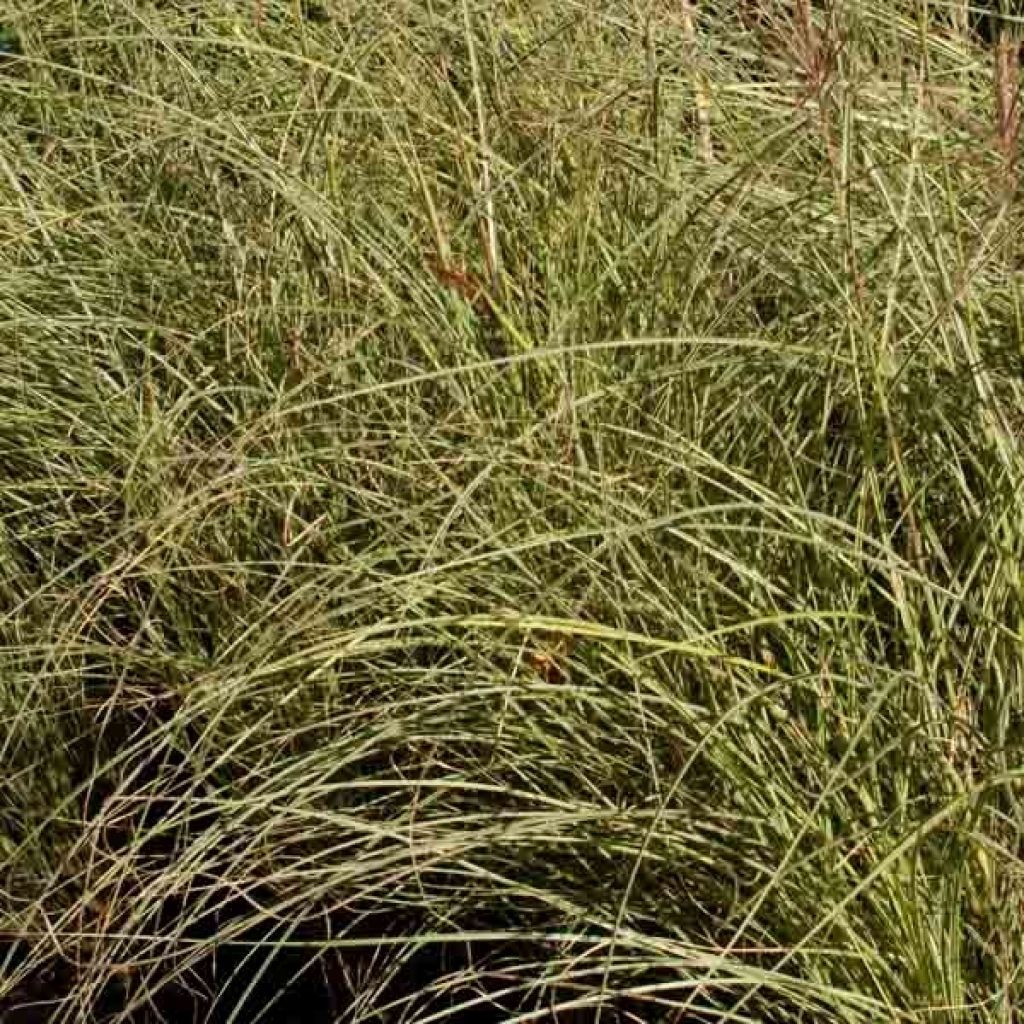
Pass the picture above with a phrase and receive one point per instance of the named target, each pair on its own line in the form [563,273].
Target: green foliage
[509,507]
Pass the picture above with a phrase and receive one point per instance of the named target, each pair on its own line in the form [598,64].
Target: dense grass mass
[511,511]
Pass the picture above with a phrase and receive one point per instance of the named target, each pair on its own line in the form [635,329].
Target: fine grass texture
[511,511]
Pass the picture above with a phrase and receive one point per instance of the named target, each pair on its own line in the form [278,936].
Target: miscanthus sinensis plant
[511,511]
